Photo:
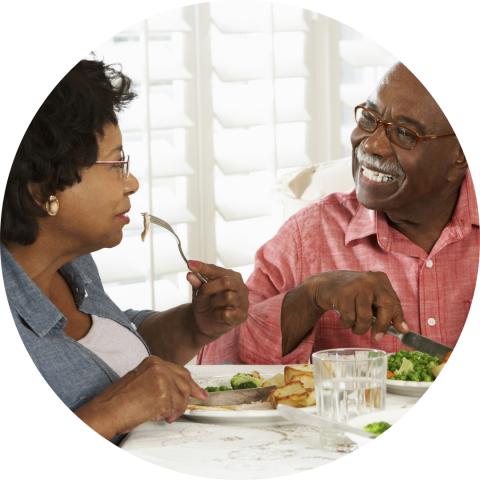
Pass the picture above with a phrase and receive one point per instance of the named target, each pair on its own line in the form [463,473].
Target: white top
[117,346]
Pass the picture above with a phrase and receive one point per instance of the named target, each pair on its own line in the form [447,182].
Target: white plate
[390,416]
[248,418]
[412,389]
[406,387]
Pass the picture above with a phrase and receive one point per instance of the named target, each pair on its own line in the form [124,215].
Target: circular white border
[437,40]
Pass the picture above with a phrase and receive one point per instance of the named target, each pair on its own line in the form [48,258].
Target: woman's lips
[124,217]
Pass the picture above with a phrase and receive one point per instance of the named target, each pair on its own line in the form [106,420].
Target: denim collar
[31,303]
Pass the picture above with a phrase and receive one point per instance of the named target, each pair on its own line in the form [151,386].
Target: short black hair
[61,140]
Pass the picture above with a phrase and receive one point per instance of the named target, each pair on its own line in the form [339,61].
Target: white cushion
[300,188]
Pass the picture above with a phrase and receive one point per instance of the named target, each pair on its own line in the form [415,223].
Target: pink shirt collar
[367,222]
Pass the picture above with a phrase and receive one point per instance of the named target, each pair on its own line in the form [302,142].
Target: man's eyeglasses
[398,134]
[123,164]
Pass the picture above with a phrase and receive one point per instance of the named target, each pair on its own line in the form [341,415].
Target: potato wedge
[293,394]
[306,378]
[278,380]
[291,370]
[436,370]
[446,357]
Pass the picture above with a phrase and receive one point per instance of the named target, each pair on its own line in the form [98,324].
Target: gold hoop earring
[52,206]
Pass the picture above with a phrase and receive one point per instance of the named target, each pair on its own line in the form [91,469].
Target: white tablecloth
[234,452]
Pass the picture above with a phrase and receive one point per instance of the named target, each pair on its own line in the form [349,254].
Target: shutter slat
[163,66]
[167,295]
[167,162]
[171,21]
[246,17]
[352,94]
[240,197]
[126,262]
[164,113]
[167,258]
[169,206]
[237,242]
[365,53]
[243,150]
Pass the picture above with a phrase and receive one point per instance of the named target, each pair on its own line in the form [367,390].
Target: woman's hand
[220,304]
[154,390]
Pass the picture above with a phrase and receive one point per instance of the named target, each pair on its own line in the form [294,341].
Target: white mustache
[390,168]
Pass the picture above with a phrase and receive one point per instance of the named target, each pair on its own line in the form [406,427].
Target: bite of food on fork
[220,297]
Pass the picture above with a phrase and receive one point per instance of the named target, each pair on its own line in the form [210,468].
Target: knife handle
[391,330]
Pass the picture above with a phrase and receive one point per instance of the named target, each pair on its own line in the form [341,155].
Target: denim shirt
[74,373]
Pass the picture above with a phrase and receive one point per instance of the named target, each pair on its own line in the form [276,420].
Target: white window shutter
[232,95]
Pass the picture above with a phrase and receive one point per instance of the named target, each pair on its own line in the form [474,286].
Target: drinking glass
[348,382]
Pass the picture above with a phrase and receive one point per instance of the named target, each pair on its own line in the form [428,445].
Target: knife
[416,341]
[234,397]
[298,416]
[420,343]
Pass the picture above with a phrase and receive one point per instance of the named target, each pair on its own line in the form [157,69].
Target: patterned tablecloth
[232,451]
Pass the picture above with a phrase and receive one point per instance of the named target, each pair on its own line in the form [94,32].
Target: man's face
[412,177]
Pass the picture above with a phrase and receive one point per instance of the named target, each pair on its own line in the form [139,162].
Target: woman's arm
[178,334]
[154,390]
[173,335]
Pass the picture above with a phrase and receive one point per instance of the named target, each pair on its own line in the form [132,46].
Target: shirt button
[133,325]
[86,294]
[431,322]
[429,264]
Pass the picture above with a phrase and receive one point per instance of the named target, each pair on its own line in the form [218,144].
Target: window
[232,95]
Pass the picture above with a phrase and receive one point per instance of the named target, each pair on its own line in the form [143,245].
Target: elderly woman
[67,196]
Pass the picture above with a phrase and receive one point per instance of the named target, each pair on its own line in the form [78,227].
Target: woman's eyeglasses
[398,134]
[123,164]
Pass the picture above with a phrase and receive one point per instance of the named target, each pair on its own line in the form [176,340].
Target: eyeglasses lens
[365,120]
[401,136]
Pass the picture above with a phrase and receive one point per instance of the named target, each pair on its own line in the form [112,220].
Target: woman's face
[93,212]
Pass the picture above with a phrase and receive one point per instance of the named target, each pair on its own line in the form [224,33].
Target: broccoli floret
[242,381]
[377,427]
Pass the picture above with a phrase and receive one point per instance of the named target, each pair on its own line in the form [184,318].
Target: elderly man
[403,245]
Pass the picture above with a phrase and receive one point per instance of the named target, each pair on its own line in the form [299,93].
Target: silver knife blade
[298,416]
[420,343]
[234,397]
[416,341]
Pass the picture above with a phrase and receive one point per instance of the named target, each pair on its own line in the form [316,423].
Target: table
[234,452]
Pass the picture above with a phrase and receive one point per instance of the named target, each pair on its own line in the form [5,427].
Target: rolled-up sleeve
[138,316]
[259,340]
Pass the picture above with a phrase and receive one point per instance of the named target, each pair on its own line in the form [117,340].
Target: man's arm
[359,296]
[299,316]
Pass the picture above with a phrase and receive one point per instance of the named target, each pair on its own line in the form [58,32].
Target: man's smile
[375,175]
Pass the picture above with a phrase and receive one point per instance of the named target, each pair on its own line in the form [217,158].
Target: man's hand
[359,296]
[220,304]
[154,390]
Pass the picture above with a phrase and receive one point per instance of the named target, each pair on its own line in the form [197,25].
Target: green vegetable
[407,367]
[217,389]
[412,366]
[212,389]
[242,381]
[377,427]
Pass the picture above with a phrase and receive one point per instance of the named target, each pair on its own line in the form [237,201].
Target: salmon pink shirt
[337,233]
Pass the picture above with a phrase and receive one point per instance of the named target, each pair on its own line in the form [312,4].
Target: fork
[164,224]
